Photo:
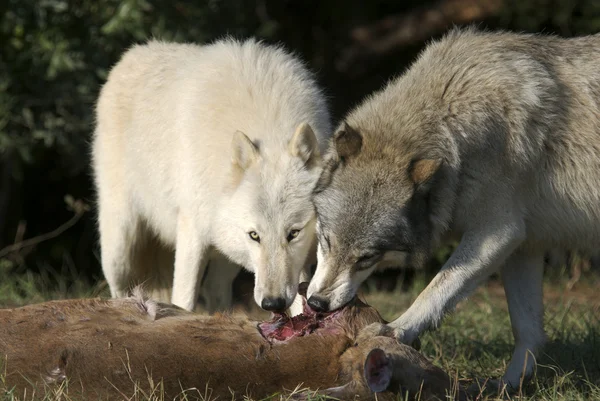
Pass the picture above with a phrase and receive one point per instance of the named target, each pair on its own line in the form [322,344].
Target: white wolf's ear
[245,152]
[304,144]
[423,169]
[378,370]
[347,141]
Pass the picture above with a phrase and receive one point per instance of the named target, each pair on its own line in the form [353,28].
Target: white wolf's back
[167,114]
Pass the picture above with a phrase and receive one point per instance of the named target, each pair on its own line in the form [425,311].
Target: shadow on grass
[570,361]
[575,352]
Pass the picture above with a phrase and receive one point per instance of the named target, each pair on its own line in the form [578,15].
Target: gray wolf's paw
[374,330]
[385,330]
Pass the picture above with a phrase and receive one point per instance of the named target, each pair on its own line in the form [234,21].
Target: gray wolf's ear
[347,141]
[378,370]
[304,144]
[423,169]
[245,152]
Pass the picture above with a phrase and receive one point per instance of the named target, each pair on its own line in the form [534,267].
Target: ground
[474,342]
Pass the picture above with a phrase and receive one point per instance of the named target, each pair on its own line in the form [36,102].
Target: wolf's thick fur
[494,137]
[208,148]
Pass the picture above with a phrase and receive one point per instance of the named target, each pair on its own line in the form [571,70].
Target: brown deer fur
[101,348]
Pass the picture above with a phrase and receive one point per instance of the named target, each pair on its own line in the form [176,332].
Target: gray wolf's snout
[318,304]
[273,304]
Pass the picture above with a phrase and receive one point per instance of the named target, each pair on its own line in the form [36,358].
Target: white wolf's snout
[277,275]
[279,266]
[274,295]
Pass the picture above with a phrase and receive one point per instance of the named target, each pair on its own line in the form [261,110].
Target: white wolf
[208,148]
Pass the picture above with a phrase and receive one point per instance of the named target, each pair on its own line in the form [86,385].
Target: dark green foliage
[55,55]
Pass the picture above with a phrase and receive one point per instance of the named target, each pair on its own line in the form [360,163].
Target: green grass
[27,288]
[474,342]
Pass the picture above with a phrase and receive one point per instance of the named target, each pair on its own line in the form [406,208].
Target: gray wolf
[212,151]
[493,138]
[111,349]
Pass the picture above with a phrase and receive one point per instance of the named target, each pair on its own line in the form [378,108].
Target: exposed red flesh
[282,328]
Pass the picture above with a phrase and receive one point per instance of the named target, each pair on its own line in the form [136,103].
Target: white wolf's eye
[293,234]
[254,236]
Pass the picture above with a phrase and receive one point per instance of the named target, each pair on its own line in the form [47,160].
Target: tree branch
[391,33]
[79,208]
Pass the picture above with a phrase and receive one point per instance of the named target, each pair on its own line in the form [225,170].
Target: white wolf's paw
[380,329]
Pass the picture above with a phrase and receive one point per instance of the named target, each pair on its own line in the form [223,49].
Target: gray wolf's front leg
[480,252]
[522,276]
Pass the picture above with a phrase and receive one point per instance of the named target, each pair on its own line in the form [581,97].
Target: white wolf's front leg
[118,236]
[479,254]
[191,257]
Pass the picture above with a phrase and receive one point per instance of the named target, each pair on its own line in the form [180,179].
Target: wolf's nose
[318,304]
[273,304]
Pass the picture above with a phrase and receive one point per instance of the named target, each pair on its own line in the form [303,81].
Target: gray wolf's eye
[293,234]
[367,260]
[254,236]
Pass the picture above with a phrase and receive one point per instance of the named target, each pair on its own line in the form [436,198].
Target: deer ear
[423,169]
[245,152]
[347,141]
[304,144]
[378,370]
